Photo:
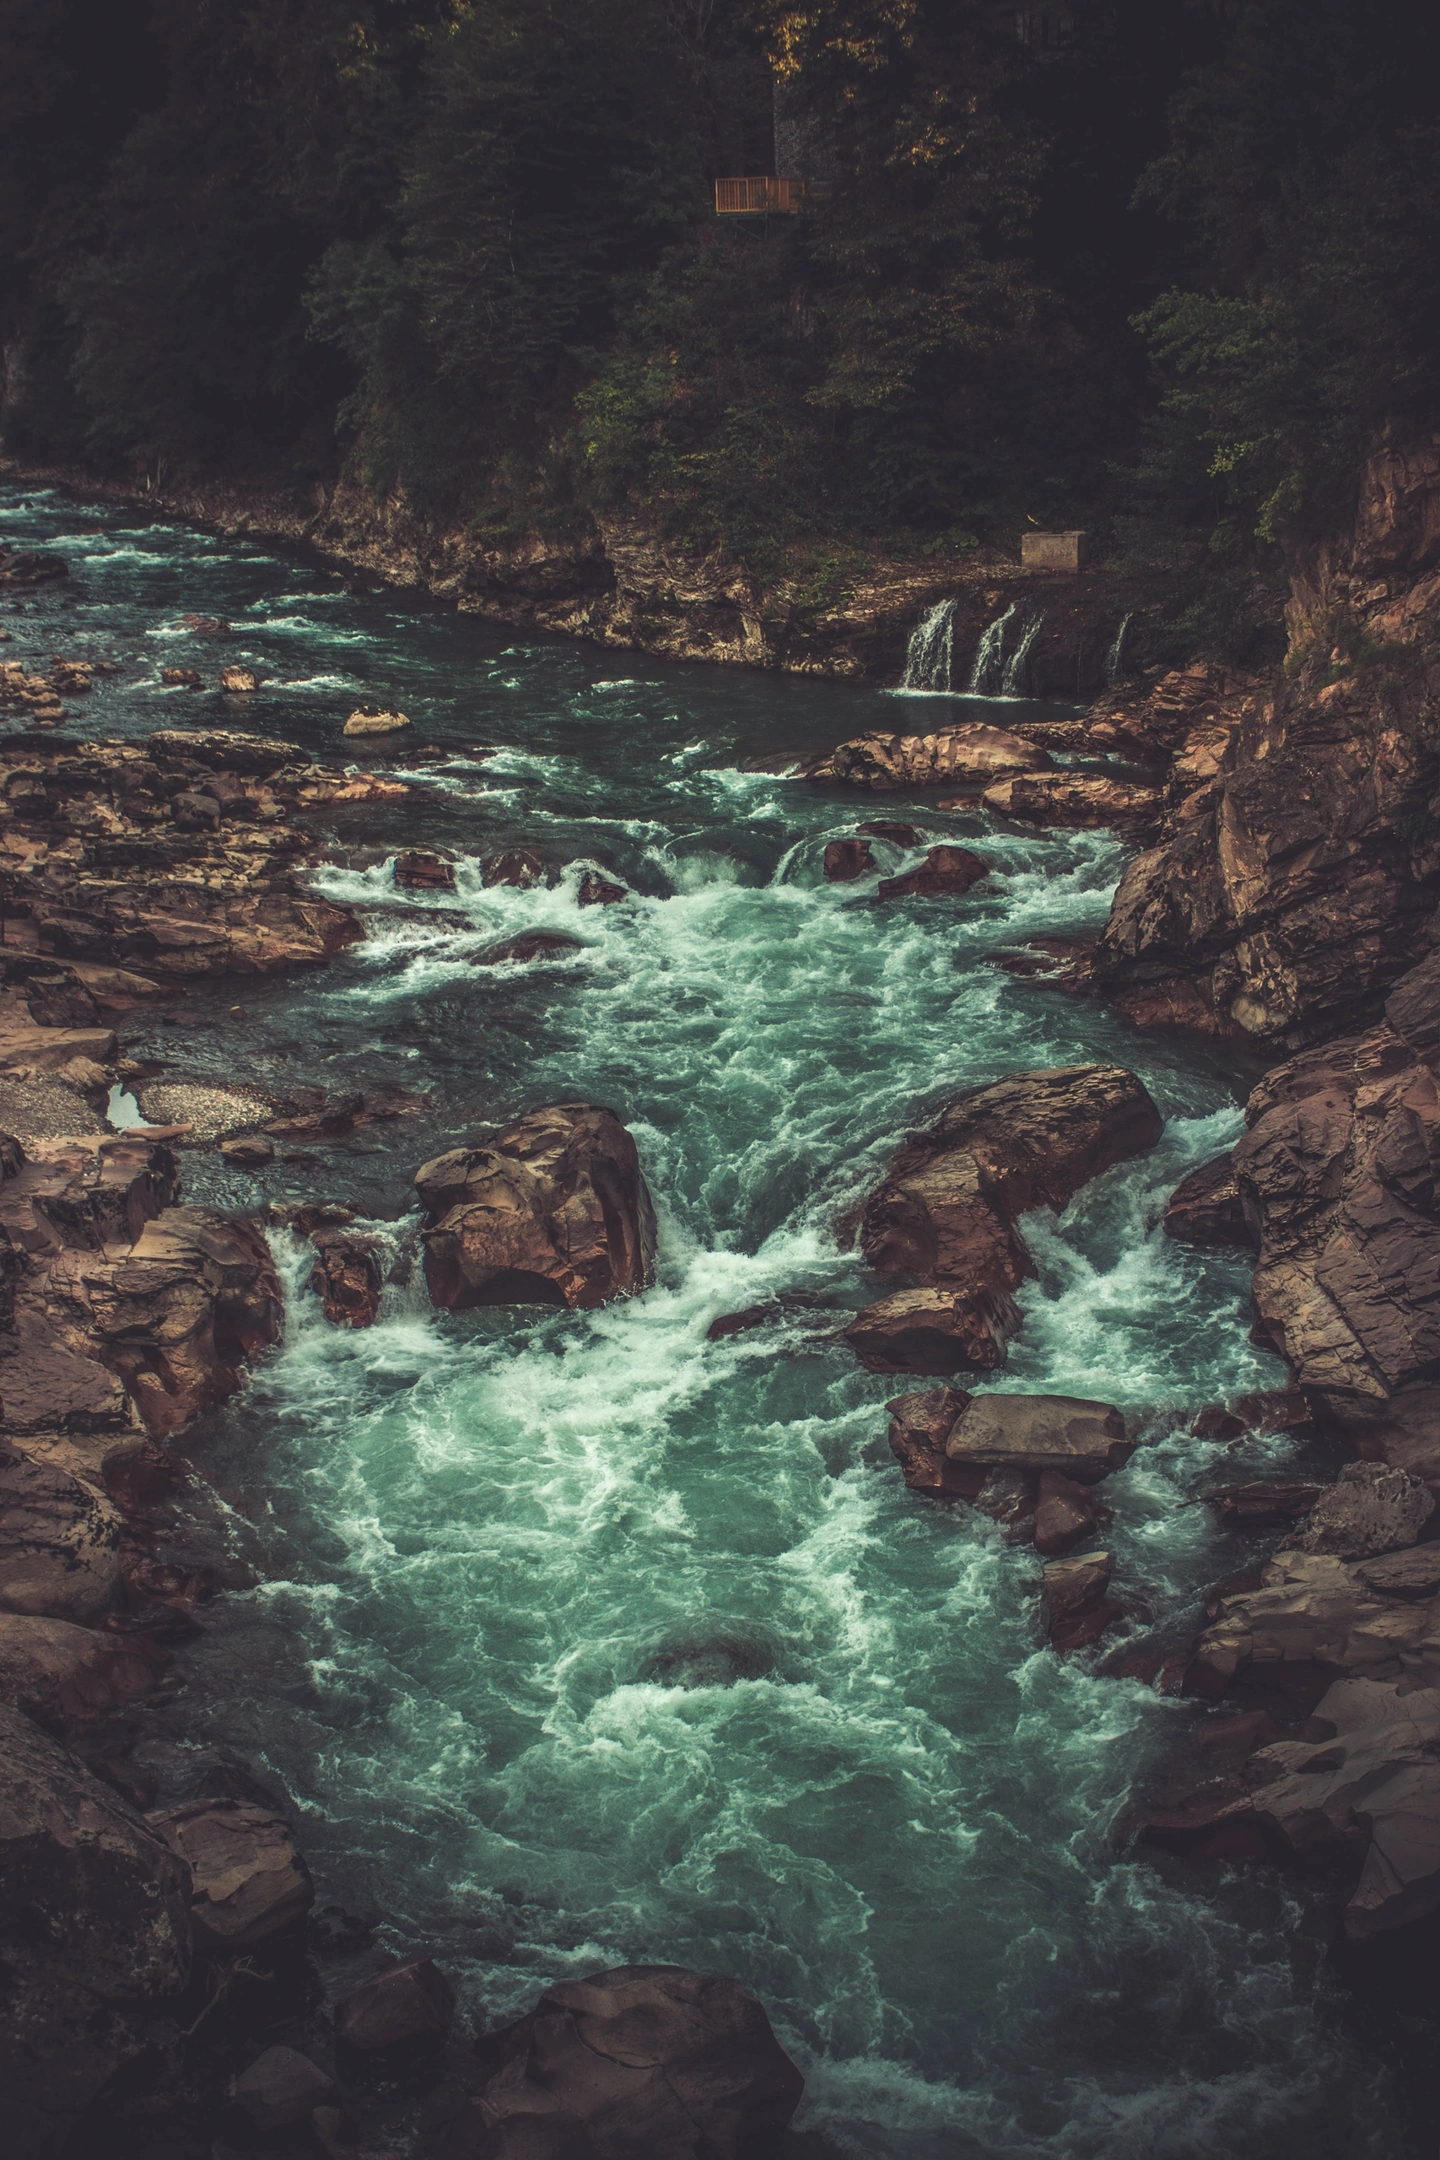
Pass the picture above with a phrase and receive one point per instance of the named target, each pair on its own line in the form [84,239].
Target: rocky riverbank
[851,614]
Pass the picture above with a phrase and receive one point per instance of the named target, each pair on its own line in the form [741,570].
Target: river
[581,1639]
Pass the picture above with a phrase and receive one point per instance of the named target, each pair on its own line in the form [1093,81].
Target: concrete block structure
[1055,550]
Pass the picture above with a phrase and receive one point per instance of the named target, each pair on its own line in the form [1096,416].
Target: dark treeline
[1161,270]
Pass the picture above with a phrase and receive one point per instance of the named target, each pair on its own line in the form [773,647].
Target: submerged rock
[421,870]
[647,2059]
[944,870]
[530,945]
[513,866]
[94,1931]
[553,1211]
[597,891]
[846,860]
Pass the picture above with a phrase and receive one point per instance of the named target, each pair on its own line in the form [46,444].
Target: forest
[1163,272]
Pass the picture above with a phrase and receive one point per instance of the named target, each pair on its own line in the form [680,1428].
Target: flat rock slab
[1078,1439]
[934,1331]
[249,1882]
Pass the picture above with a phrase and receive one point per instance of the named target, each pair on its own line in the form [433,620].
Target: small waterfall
[1014,681]
[1116,653]
[932,650]
[987,672]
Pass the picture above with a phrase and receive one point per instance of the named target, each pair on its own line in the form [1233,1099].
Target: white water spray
[987,671]
[1014,681]
[931,655]
[1116,653]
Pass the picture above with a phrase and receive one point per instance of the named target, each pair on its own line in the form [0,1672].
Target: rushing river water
[584,1640]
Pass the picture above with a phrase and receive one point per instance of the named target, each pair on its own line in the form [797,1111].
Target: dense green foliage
[1168,275]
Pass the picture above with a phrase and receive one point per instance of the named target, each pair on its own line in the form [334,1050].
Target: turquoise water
[584,1640]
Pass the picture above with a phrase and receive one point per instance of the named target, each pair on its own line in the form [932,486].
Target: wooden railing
[755,196]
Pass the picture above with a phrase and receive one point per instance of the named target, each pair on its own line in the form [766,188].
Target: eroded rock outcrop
[946,1215]
[94,1931]
[950,757]
[247,1883]
[1076,801]
[1296,879]
[553,1211]
[1029,1461]
[646,2059]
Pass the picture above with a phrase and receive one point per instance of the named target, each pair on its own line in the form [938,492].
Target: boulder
[59,1542]
[1206,1209]
[94,1932]
[946,1211]
[372,723]
[1370,1509]
[282,2088]
[420,870]
[846,860]
[513,866]
[348,1277]
[47,1049]
[934,1331]
[944,870]
[1076,800]
[407,2005]
[530,945]
[553,1211]
[1263,1503]
[647,2059]
[244,678]
[182,678]
[1313,1618]
[88,1192]
[249,1884]
[1074,1607]
[898,835]
[596,891]
[920,1425]
[249,1151]
[194,812]
[1065,1514]
[1085,1441]
[66,1677]
[949,757]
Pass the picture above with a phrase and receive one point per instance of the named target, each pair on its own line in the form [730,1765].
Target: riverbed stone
[946,758]
[1074,1607]
[934,1331]
[94,1933]
[554,1210]
[347,1277]
[945,870]
[59,1541]
[1062,1434]
[1206,1209]
[1076,800]
[282,2087]
[846,860]
[403,2007]
[249,1884]
[646,2059]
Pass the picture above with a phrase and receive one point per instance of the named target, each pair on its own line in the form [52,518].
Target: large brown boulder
[66,1677]
[934,1331]
[1076,801]
[347,1277]
[946,1214]
[553,1211]
[948,758]
[94,1930]
[951,870]
[1028,1460]
[249,1885]
[59,1542]
[646,2060]
[1206,1209]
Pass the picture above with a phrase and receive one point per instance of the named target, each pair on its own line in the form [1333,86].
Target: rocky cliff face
[1298,877]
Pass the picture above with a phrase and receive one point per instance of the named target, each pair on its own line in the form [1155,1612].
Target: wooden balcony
[757,196]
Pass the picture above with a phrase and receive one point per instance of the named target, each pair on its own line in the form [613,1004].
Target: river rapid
[581,1640]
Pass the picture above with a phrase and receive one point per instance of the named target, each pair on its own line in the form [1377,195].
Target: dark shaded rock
[407,2005]
[554,1211]
[194,812]
[944,870]
[513,866]
[348,1277]
[421,870]
[48,1390]
[1076,801]
[59,1542]
[919,1427]
[1074,1607]
[1264,1503]
[847,859]
[1206,1209]
[712,1656]
[934,1331]
[281,2088]
[530,945]
[249,1884]
[94,1931]
[740,1323]
[596,891]
[647,2060]
[1066,1514]
[904,836]
[66,1677]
